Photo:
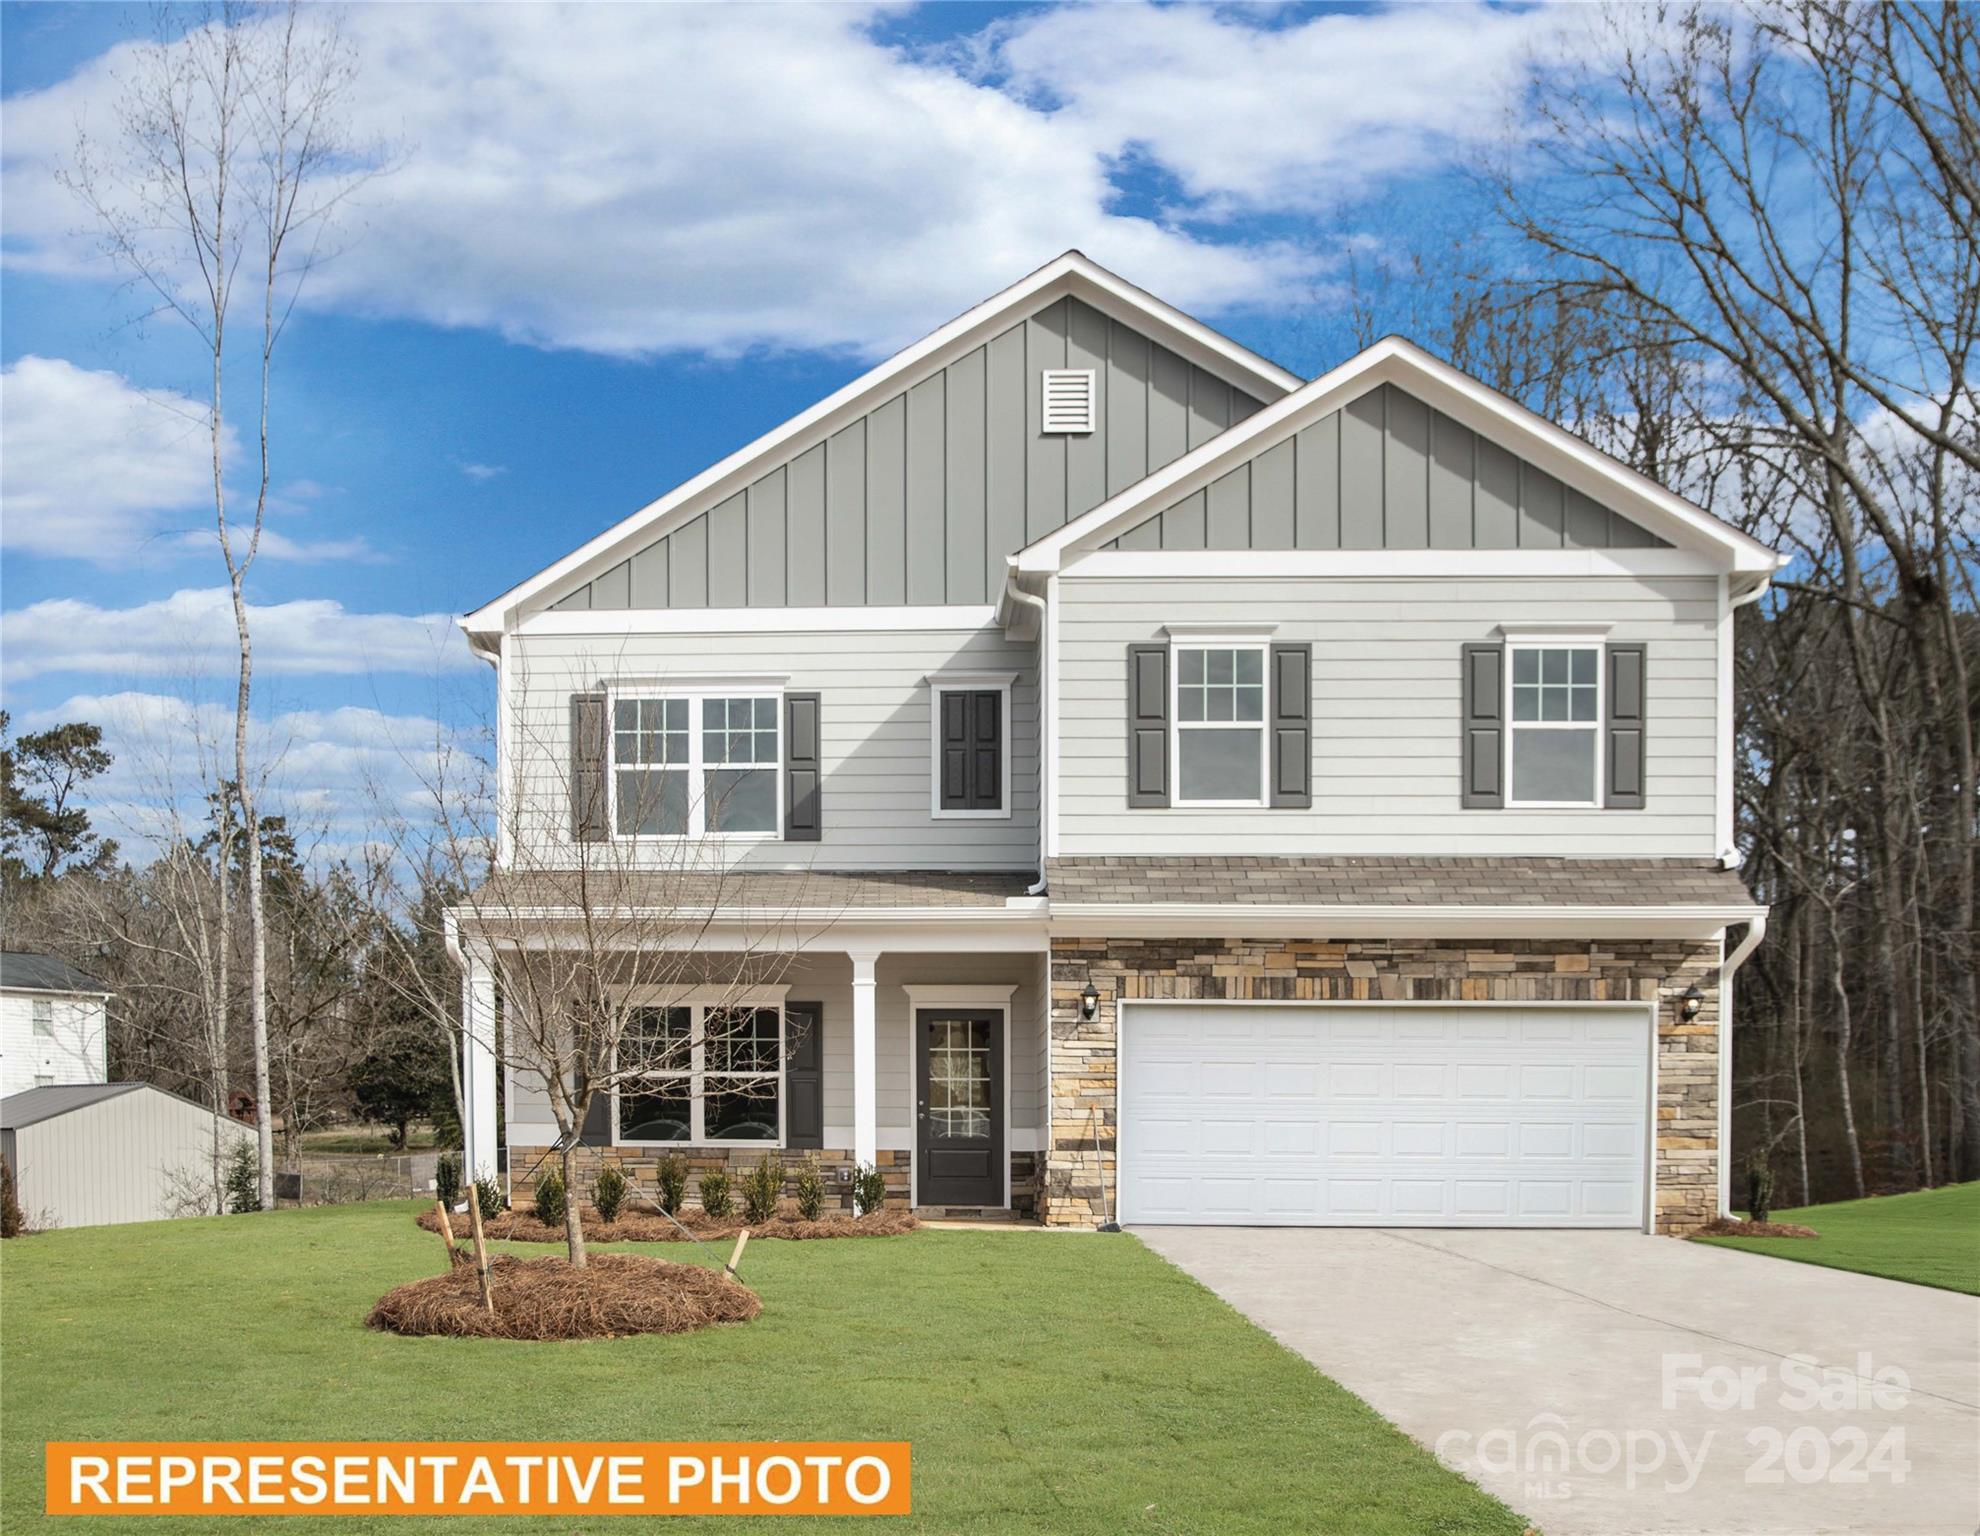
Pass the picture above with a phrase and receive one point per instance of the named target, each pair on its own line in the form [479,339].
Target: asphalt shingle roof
[24,971]
[766,890]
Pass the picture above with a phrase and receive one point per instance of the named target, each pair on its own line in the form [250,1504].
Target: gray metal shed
[93,1154]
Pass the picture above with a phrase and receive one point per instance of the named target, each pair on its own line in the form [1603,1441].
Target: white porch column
[478,1063]
[866,1121]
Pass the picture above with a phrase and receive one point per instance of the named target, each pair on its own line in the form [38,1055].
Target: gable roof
[26,971]
[1070,274]
[1394,360]
[32,1105]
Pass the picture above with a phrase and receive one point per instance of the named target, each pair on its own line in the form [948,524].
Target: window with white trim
[1554,715]
[1219,724]
[710,1075]
[696,765]
[44,1017]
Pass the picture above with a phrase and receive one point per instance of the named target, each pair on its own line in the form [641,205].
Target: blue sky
[614,244]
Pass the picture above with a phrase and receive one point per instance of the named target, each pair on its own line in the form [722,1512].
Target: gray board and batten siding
[919,501]
[1386,471]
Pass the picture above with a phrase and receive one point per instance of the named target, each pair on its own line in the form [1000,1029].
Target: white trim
[1437,384]
[1648,1009]
[613,623]
[940,683]
[1048,688]
[1722,745]
[1071,273]
[1328,921]
[663,685]
[1400,564]
[699,999]
[1527,633]
[990,997]
[697,693]
[1533,638]
[1188,637]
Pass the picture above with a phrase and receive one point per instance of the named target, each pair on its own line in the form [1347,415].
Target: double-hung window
[1555,722]
[1219,723]
[44,1017]
[703,1074]
[696,764]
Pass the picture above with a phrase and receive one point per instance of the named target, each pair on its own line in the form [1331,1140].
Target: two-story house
[1185,792]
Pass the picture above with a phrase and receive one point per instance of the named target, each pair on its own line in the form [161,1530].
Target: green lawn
[1931,1237]
[1061,1383]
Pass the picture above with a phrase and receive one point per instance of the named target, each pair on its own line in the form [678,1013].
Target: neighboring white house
[93,1154]
[52,1023]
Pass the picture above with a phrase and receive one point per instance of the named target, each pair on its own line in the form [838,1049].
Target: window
[969,748]
[44,1016]
[1555,714]
[694,765]
[1220,724]
[710,1074]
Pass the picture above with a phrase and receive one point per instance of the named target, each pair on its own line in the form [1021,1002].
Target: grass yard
[1930,1237]
[1061,1383]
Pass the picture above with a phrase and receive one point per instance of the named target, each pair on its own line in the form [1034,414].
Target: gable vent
[1068,397]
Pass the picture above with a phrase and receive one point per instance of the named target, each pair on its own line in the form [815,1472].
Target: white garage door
[1373,1115]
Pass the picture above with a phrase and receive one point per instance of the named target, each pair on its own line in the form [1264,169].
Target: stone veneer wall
[1083,1098]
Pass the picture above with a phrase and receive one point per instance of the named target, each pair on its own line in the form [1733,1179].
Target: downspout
[1730,857]
[1756,930]
[1013,593]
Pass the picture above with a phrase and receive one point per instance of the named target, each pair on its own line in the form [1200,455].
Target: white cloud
[94,468]
[637,179]
[191,633]
[484,472]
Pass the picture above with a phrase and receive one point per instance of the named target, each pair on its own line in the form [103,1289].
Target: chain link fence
[345,1178]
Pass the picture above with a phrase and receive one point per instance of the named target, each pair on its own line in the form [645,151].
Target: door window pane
[959,1082]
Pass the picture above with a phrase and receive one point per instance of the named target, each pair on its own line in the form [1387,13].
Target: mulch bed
[648,1227]
[1728,1226]
[614,1294]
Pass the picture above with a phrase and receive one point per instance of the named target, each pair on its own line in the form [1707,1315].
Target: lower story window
[703,1074]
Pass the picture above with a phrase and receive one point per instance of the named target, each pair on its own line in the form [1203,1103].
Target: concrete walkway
[1608,1382]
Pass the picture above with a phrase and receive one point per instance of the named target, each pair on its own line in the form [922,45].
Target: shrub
[1759,1190]
[715,1194]
[671,1176]
[809,1188]
[488,1195]
[550,1200]
[869,1189]
[608,1192]
[762,1189]
[10,1206]
[244,1178]
[447,1180]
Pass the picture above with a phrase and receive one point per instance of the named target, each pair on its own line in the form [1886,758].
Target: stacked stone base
[1080,1186]
[642,1166]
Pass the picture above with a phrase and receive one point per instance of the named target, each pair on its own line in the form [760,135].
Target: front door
[959,1091]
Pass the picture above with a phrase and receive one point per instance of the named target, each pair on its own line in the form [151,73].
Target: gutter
[1730,857]
[1015,594]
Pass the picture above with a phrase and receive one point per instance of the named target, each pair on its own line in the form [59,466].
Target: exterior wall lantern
[1089,1002]
[1690,1004]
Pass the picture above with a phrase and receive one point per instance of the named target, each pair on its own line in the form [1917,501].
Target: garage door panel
[1383,1116]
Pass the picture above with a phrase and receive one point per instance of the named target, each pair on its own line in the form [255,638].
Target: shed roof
[31,971]
[36,1104]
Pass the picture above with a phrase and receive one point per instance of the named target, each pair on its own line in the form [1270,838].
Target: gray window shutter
[972,729]
[1148,726]
[804,1079]
[804,817]
[1292,726]
[1625,728]
[1484,739]
[589,821]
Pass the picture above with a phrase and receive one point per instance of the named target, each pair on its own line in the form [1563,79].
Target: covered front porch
[911,1039]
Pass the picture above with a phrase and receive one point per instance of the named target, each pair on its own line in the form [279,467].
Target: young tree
[226,166]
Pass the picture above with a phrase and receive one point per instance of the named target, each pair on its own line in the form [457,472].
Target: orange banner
[415,1477]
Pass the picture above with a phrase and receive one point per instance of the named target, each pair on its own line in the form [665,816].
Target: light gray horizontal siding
[1386,713]
[921,499]
[824,977]
[874,711]
[1386,472]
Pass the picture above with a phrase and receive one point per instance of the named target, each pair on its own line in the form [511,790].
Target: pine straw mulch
[642,1227]
[1731,1226]
[614,1294]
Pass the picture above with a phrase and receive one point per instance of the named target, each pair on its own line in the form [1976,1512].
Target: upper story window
[970,725]
[44,1016]
[705,1074]
[695,765]
[1220,724]
[1555,717]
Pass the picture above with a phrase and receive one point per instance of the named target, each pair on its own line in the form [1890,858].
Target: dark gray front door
[959,1092]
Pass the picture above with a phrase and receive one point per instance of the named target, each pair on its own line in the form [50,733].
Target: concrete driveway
[1608,1382]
